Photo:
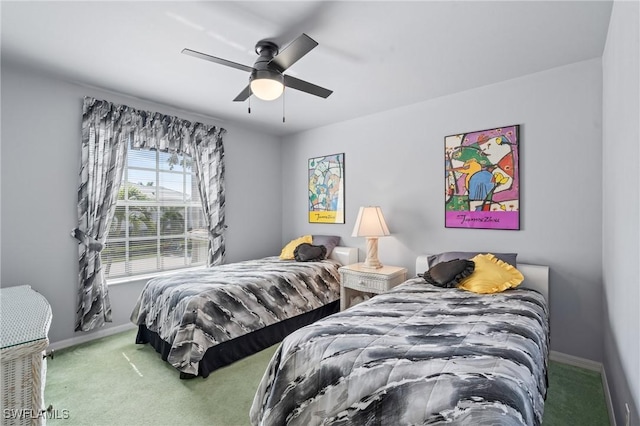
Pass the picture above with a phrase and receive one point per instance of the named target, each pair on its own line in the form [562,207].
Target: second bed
[418,354]
[205,319]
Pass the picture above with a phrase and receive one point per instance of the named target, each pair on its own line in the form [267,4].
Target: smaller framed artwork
[326,189]
[482,179]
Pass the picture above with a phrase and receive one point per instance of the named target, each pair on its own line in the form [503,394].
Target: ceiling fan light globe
[266,84]
[266,88]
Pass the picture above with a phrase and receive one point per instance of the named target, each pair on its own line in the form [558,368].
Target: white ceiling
[374,55]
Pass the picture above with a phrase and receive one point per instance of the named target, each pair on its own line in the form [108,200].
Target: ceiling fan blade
[293,52]
[303,86]
[244,95]
[217,60]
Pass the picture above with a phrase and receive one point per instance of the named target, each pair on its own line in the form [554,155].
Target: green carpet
[98,385]
[113,381]
[575,397]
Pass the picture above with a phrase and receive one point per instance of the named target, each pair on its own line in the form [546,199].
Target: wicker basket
[25,320]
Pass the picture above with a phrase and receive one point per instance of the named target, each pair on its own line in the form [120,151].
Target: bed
[418,354]
[205,319]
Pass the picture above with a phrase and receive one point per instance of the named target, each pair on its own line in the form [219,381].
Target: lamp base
[372,262]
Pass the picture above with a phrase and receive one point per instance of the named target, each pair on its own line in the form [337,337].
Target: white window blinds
[158,224]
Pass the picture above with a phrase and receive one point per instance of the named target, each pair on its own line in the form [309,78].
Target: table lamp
[370,224]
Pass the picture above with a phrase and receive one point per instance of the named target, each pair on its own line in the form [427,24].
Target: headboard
[536,277]
[344,255]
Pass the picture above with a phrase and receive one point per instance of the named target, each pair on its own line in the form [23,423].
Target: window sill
[146,277]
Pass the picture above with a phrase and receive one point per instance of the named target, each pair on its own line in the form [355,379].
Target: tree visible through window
[158,224]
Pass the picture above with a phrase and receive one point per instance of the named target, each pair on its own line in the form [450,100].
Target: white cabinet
[25,317]
[357,280]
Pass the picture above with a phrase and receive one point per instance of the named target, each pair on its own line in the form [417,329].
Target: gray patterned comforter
[196,310]
[417,355]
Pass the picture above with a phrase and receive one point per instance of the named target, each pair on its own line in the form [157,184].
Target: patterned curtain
[208,160]
[107,130]
[104,148]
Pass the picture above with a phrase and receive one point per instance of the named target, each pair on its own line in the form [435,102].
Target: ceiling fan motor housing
[267,48]
[266,73]
[262,68]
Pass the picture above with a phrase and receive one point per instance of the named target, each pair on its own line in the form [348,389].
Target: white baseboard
[89,337]
[575,361]
[588,365]
[607,398]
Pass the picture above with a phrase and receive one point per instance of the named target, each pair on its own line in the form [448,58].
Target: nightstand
[357,280]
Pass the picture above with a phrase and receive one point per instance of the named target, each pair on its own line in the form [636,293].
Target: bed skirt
[228,352]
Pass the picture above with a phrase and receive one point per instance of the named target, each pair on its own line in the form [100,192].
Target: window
[158,224]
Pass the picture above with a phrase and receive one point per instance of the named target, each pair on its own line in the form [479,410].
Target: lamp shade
[370,223]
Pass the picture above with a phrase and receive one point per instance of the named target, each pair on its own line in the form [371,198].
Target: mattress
[193,311]
[418,354]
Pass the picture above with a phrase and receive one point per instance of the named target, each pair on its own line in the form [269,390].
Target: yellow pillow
[491,275]
[287,251]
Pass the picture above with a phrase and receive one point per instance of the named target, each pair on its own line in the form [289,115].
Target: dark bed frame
[233,350]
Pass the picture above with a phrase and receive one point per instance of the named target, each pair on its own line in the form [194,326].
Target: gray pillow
[306,252]
[448,274]
[510,258]
[329,241]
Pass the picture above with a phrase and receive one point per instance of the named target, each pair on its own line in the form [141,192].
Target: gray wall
[41,120]
[621,233]
[395,160]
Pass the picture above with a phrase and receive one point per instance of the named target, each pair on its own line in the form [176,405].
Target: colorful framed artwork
[482,182]
[326,189]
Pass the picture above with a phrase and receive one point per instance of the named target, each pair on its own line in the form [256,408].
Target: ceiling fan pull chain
[283,91]
[249,104]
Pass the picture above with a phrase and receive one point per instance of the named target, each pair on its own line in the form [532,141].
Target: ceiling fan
[267,80]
